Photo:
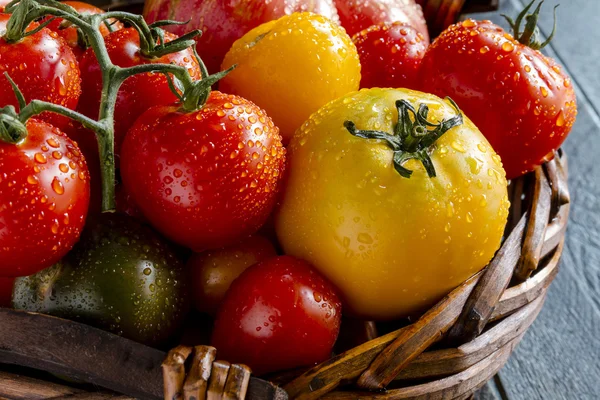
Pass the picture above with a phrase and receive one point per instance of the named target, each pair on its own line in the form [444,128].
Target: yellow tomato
[292,66]
[393,245]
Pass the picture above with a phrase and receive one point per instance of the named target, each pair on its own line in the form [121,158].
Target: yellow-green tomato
[291,67]
[361,206]
[213,271]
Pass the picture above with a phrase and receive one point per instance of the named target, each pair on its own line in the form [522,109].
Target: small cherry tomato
[357,15]
[214,270]
[208,178]
[224,22]
[139,92]
[291,67]
[522,101]
[6,288]
[43,67]
[390,55]
[69,33]
[45,191]
[279,314]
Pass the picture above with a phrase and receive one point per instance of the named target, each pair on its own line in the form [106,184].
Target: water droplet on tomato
[53,143]
[57,186]
[560,120]
[484,49]
[364,238]
[457,146]
[40,158]
[54,227]
[32,180]
[63,168]
[57,155]
[544,91]
[508,46]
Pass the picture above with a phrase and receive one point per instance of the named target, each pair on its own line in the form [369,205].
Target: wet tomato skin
[521,100]
[69,34]
[390,55]
[138,93]
[279,314]
[223,22]
[45,191]
[214,270]
[215,171]
[271,58]
[356,15]
[43,67]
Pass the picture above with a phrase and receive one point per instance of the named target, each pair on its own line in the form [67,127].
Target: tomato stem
[413,138]
[530,35]
[152,44]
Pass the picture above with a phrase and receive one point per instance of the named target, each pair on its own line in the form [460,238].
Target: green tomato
[120,277]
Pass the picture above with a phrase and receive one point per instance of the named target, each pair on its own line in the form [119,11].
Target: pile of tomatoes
[284,197]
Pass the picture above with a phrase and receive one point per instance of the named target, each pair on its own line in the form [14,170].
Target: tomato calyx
[412,138]
[12,129]
[531,34]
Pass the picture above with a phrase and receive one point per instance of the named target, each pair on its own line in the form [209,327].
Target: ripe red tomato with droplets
[521,100]
[278,314]
[6,288]
[139,92]
[357,15]
[213,271]
[224,22]
[43,67]
[69,34]
[208,178]
[44,184]
[390,55]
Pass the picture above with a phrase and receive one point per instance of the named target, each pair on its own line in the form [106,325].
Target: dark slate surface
[560,355]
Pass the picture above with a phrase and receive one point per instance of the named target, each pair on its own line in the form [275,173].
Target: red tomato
[44,183]
[279,314]
[208,178]
[521,100]
[6,287]
[69,34]
[357,15]
[137,93]
[390,55]
[214,270]
[224,22]
[43,67]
